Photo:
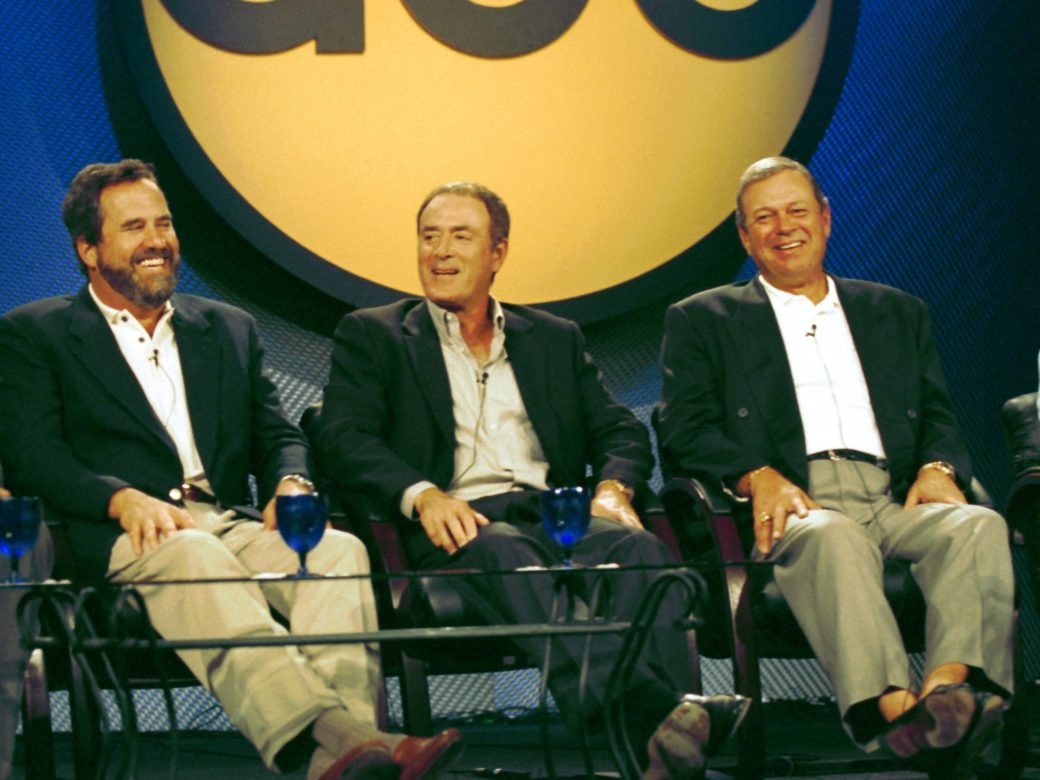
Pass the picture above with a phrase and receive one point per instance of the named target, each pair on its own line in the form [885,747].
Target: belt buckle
[833,455]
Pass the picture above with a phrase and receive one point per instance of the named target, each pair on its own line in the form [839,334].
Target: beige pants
[829,568]
[270,694]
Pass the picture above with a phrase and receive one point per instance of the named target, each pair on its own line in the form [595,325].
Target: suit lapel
[528,359]
[97,351]
[201,364]
[873,337]
[760,350]
[424,352]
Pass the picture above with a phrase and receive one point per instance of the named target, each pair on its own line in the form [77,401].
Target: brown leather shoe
[427,757]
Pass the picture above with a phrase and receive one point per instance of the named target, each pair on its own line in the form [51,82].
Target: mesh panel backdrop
[930,159]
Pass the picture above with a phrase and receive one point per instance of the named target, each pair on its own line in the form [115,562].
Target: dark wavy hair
[495,205]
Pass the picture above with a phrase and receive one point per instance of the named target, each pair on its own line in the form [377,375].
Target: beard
[148,293]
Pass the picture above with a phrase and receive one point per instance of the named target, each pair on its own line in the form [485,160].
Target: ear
[498,255]
[87,253]
[825,216]
[744,239]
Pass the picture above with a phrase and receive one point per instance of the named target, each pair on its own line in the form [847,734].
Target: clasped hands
[774,498]
[451,523]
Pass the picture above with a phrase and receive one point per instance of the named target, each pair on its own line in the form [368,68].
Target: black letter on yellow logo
[265,28]
[728,34]
[496,32]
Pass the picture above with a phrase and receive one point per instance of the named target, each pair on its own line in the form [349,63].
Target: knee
[191,553]
[340,552]
[645,547]
[981,526]
[501,545]
[828,530]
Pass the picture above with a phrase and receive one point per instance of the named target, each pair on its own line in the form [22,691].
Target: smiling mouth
[789,245]
[151,262]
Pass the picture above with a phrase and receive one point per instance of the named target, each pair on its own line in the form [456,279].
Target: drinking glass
[301,522]
[565,517]
[19,529]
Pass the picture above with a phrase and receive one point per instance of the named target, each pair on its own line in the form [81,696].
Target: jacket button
[742,412]
[911,413]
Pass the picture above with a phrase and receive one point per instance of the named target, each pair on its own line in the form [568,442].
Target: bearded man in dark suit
[822,402]
[453,412]
[137,415]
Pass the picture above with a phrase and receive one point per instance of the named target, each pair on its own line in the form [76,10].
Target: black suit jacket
[387,419]
[728,402]
[75,425]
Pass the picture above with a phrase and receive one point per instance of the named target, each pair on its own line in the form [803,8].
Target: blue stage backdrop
[931,161]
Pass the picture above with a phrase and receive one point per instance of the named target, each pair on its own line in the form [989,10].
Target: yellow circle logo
[614,130]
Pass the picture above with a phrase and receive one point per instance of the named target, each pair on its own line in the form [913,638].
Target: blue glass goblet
[565,517]
[19,529]
[301,522]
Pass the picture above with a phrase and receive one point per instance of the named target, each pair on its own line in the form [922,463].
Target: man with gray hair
[821,402]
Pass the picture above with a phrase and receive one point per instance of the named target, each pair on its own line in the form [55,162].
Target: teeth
[153,262]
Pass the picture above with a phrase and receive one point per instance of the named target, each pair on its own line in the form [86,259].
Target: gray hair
[495,206]
[767,167]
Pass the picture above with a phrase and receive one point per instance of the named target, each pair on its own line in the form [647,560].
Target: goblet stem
[303,565]
[12,575]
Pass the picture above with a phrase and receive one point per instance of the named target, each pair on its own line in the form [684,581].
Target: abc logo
[615,131]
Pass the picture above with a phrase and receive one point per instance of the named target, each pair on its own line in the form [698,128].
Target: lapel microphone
[811,333]
[155,357]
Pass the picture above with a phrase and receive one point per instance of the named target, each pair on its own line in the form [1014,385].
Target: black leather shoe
[726,713]
[940,720]
[694,730]
[985,730]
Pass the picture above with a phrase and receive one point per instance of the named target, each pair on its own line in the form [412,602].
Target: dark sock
[296,752]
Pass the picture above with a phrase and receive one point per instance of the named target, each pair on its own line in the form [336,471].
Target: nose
[442,247]
[156,237]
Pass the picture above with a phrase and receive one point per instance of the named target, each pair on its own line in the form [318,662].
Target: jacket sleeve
[691,417]
[354,428]
[40,460]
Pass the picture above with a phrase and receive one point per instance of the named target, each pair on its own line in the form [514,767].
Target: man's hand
[286,487]
[773,498]
[5,493]
[145,519]
[612,503]
[449,522]
[934,485]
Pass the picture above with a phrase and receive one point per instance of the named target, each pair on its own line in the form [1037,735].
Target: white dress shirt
[156,363]
[496,448]
[832,392]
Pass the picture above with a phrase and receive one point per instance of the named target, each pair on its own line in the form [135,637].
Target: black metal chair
[1023,509]
[747,618]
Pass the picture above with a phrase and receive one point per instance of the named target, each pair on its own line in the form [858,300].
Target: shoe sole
[680,748]
[951,712]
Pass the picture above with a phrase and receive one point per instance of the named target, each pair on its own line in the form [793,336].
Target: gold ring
[763,517]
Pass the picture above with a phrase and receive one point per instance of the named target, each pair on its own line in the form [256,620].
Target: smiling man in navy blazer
[822,401]
[137,415]
[452,413]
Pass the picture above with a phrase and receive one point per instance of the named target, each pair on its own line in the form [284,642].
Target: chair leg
[37,735]
[415,697]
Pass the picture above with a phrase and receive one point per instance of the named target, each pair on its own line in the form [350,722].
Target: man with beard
[138,415]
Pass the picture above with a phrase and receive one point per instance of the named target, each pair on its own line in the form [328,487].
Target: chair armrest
[1022,429]
[703,518]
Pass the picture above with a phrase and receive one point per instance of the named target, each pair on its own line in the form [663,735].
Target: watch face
[615,132]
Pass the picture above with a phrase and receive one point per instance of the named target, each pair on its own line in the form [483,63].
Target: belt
[187,492]
[862,457]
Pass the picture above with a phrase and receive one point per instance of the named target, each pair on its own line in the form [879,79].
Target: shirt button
[742,412]
[911,413]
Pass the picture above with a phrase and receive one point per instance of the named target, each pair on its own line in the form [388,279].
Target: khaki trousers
[270,694]
[830,564]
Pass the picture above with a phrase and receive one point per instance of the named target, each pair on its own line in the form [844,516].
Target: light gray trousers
[830,570]
[270,694]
